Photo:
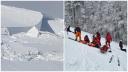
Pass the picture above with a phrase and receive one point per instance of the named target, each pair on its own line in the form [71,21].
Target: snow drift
[19,19]
[57,26]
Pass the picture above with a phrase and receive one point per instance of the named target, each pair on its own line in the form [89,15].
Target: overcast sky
[51,8]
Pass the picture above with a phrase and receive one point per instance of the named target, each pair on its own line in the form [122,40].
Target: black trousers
[122,49]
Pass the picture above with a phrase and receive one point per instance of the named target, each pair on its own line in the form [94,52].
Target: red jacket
[98,35]
[104,48]
[98,40]
[108,37]
[94,40]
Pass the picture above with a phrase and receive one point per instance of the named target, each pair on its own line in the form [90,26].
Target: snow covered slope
[83,57]
[57,26]
[19,17]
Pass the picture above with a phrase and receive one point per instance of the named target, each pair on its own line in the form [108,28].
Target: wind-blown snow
[79,56]
[19,17]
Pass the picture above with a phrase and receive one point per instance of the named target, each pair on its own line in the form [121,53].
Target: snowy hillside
[102,16]
[79,56]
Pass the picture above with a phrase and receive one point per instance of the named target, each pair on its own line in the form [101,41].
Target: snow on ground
[28,48]
[33,32]
[4,31]
[22,52]
[31,65]
[83,57]
[57,26]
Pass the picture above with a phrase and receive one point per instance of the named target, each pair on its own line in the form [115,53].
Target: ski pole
[111,59]
[118,61]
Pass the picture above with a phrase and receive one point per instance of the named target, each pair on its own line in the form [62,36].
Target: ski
[71,38]
[111,59]
[118,61]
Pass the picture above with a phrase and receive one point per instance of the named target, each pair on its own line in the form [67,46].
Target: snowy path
[83,57]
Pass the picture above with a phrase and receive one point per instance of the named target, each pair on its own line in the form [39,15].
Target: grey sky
[51,8]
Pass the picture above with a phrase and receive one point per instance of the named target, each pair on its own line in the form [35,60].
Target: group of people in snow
[95,40]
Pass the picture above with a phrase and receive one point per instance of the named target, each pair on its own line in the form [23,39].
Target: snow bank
[19,17]
[57,26]
[33,32]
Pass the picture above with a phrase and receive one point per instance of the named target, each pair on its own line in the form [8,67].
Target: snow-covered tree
[102,16]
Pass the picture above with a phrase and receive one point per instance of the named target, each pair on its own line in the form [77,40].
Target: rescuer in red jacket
[108,38]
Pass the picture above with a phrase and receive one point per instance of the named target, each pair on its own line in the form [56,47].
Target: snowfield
[81,57]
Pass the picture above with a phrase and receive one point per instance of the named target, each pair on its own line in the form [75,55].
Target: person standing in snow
[77,32]
[121,46]
[68,29]
[108,38]
[98,37]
